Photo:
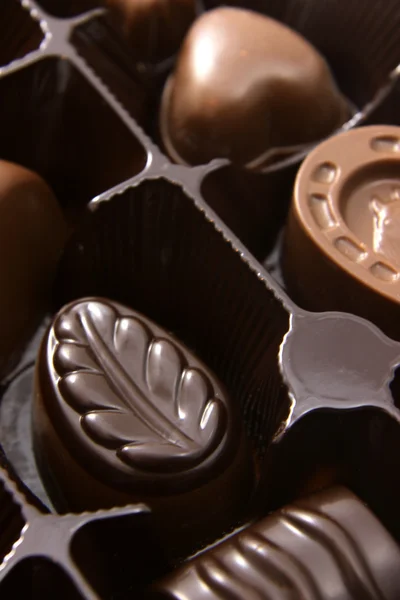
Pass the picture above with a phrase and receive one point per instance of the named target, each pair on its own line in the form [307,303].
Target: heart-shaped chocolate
[246,86]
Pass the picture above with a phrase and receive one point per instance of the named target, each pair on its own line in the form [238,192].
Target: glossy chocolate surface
[344,226]
[245,86]
[154,28]
[139,415]
[326,546]
[318,394]
[32,235]
[143,410]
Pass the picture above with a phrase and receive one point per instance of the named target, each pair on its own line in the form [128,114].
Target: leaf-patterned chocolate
[135,392]
[132,395]
[123,412]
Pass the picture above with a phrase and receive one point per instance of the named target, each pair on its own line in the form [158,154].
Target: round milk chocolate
[123,412]
[245,87]
[342,242]
[32,234]
[154,28]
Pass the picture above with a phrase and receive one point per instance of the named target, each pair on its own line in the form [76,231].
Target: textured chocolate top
[245,86]
[130,402]
[347,200]
[328,546]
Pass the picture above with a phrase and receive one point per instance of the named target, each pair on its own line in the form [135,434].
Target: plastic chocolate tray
[318,392]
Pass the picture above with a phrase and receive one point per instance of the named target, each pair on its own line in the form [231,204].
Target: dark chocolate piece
[123,412]
[246,87]
[342,249]
[32,235]
[328,546]
[154,28]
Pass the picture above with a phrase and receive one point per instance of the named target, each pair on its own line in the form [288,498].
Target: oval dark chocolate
[124,412]
[245,87]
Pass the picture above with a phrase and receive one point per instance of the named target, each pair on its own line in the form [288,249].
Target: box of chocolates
[199,300]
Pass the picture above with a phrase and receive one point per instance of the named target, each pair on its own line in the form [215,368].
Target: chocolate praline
[32,235]
[341,249]
[325,547]
[123,412]
[246,87]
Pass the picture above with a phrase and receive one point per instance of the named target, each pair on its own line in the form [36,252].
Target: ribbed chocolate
[328,546]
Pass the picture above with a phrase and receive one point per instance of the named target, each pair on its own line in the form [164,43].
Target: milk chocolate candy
[32,234]
[326,546]
[154,28]
[124,412]
[246,87]
[342,249]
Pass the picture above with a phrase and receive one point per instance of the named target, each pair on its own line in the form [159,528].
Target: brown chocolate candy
[246,87]
[32,235]
[154,28]
[342,243]
[123,412]
[325,547]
